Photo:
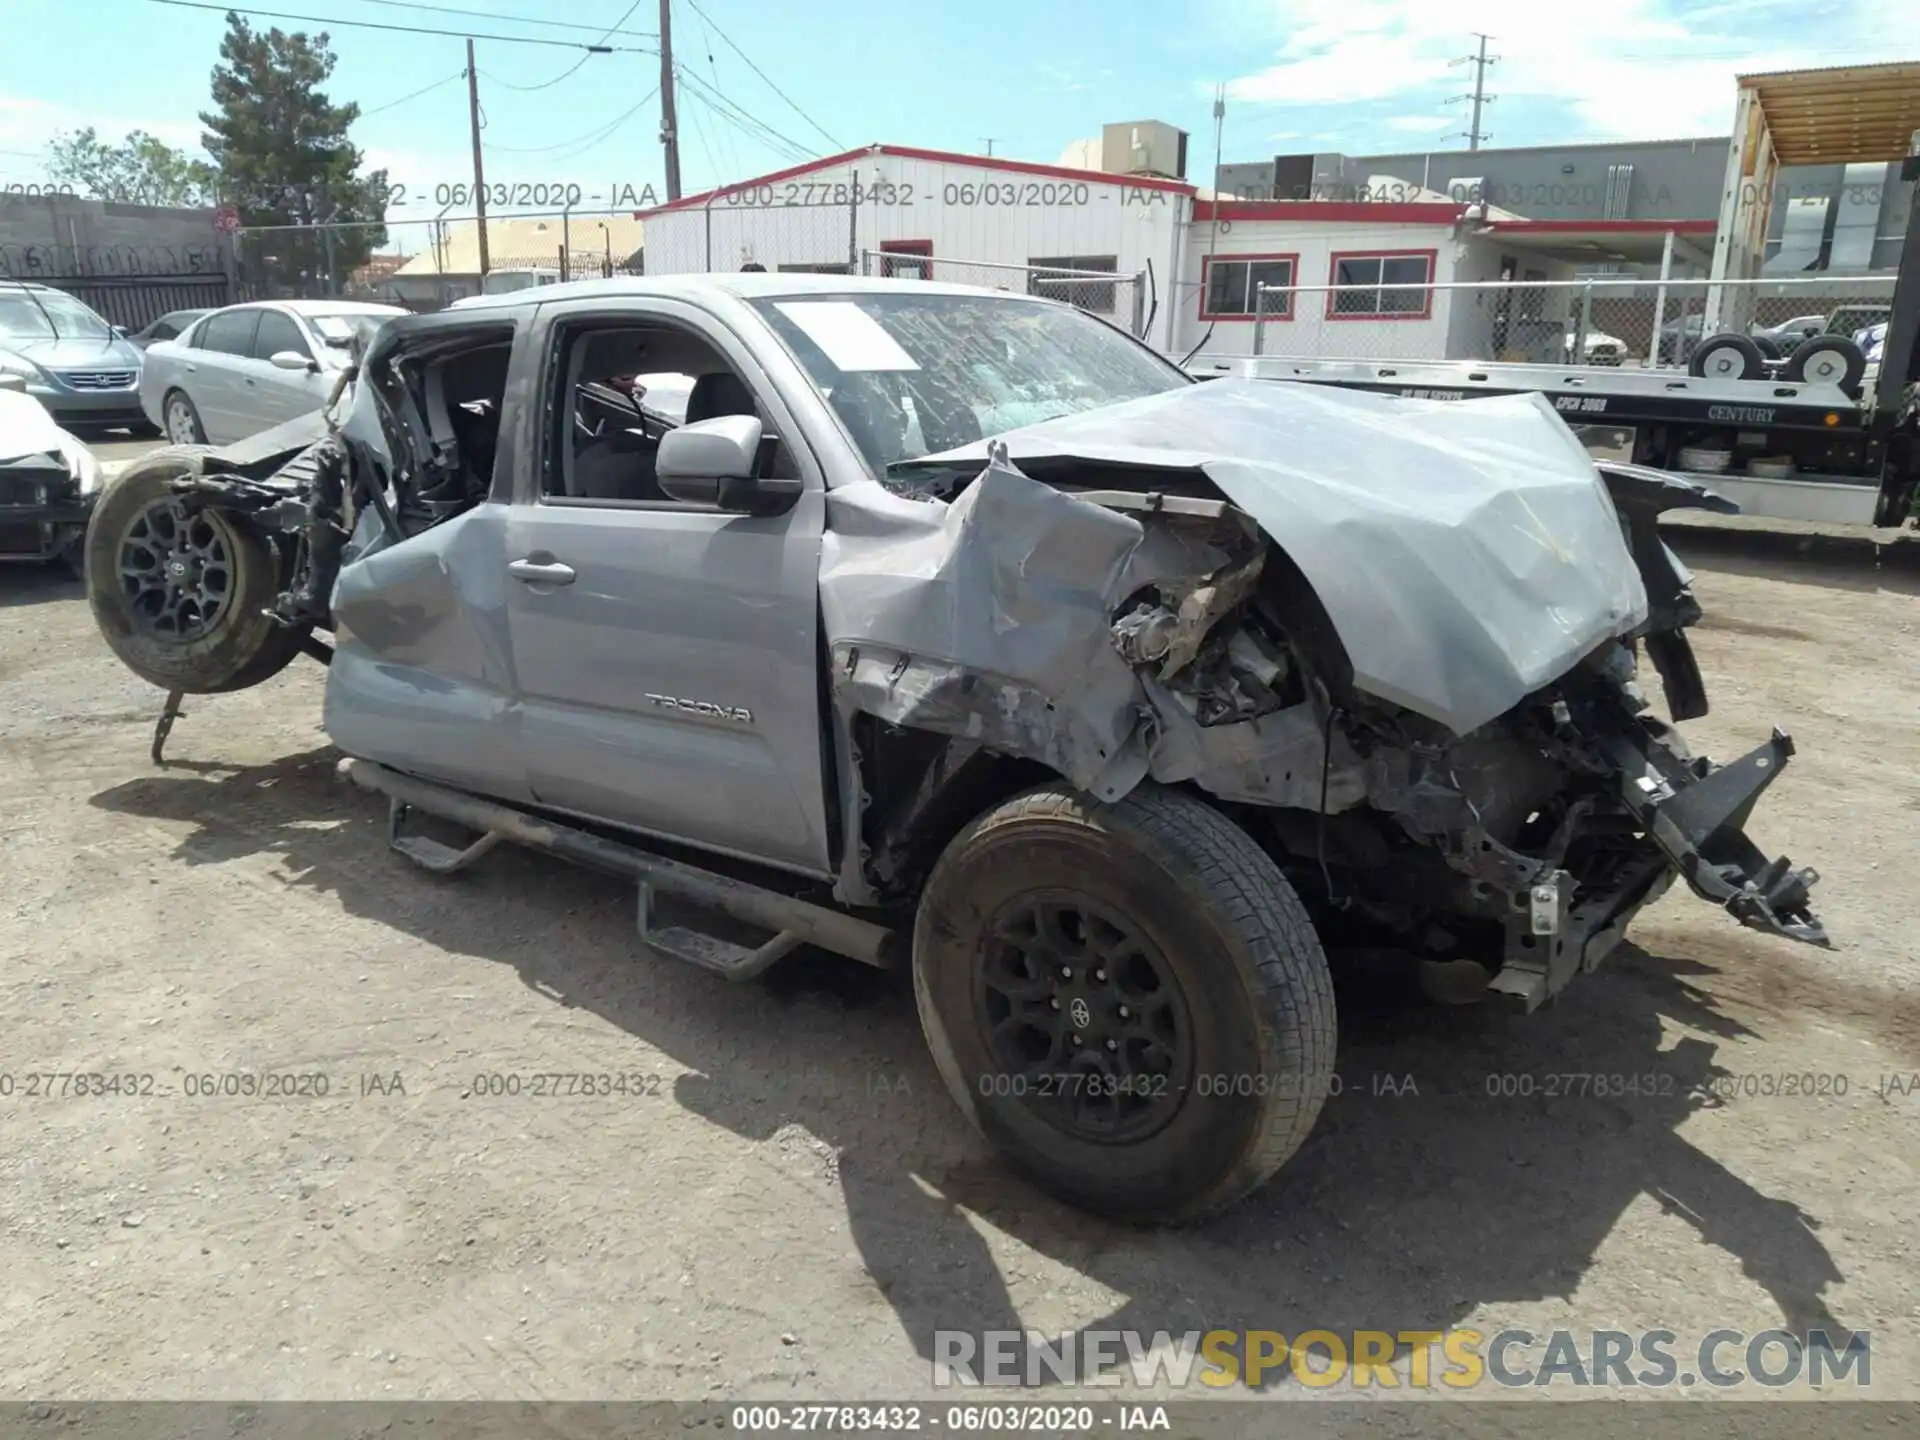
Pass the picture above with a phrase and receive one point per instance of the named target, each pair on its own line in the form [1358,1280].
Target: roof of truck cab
[739,285]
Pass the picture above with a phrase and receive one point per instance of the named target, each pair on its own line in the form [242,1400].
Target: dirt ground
[785,1204]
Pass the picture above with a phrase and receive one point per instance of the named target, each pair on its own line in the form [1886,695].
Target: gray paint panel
[422,675]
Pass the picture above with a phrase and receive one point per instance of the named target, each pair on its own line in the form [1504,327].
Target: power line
[606,131]
[511,18]
[592,137]
[330,20]
[425,89]
[729,145]
[547,84]
[731,112]
[763,75]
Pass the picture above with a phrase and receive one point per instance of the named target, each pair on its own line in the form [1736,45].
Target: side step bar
[793,922]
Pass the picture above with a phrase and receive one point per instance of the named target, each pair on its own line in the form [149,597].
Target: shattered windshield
[914,374]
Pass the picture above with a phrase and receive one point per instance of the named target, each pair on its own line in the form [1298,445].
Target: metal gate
[1121,299]
[128,285]
[134,301]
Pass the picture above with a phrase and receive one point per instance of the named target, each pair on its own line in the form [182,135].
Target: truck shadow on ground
[1441,1178]
[29,584]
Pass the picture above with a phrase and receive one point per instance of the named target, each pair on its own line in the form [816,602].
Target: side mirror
[293,360]
[120,332]
[10,381]
[711,462]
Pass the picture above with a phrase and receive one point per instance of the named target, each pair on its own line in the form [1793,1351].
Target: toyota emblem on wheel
[1082,1016]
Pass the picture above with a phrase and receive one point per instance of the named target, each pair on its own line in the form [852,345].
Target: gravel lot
[786,1205]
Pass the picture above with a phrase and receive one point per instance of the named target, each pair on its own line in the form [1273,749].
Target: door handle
[541,572]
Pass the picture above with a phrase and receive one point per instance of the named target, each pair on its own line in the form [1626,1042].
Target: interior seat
[720,393]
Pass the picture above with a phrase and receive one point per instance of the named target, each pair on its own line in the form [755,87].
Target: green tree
[281,149]
[139,170]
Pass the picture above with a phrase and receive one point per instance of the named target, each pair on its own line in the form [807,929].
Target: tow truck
[1812,449]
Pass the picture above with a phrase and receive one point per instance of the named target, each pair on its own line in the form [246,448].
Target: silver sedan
[247,368]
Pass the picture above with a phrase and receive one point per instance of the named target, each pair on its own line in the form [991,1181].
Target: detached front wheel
[1128,1000]
[181,593]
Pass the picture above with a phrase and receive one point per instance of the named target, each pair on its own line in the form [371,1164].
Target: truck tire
[1769,347]
[1727,357]
[182,599]
[1827,360]
[1127,1000]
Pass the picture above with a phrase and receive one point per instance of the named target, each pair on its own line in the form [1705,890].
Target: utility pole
[479,171]
[987,140]
[1479,97]
[669,124]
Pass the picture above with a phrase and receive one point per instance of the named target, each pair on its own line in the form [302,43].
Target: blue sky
[1362,76]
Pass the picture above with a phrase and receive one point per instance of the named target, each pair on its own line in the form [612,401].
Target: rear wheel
[1128,1000]
[181,595]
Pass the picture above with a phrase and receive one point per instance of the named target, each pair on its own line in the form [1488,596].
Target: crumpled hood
[26,429]
[1467,552]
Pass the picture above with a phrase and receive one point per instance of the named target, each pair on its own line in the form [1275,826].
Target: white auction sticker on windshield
[333,327]
[851,338]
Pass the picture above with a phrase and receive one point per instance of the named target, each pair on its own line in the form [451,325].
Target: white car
[1598,348]
[248,368]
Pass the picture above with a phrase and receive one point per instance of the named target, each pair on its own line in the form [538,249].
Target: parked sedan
[248,368]
[67,357]
[169,326]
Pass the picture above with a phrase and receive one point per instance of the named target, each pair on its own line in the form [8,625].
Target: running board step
[430,854]
[710,952]
[791,921]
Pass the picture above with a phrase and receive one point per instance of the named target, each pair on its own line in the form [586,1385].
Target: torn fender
[987,618]
[992,619]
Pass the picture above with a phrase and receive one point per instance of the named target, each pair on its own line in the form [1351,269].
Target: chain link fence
[1119,298]
[1624,322]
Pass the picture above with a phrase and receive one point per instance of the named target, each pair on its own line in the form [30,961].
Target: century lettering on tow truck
[1742,414]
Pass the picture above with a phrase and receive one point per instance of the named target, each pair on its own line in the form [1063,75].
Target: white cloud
[1420,124]
[27,124]
[1637,69]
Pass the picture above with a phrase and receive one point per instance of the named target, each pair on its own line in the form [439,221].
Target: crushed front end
[1401,644]
[49,480]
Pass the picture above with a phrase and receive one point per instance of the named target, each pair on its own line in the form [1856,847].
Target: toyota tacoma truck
[958,629]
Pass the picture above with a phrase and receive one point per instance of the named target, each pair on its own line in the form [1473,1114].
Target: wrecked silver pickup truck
[957,626]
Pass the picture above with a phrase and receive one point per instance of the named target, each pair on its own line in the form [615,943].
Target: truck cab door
[667,654]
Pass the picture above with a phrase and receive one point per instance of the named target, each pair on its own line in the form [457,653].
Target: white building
[1186,265]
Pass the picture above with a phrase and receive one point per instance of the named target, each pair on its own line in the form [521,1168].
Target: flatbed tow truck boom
[1855,451]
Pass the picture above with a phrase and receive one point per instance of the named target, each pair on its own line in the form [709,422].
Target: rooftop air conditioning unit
[1144,147]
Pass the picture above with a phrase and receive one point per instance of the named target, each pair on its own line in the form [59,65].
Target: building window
[1087,294]
[1230,286]
[1362,280]
[894,266]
